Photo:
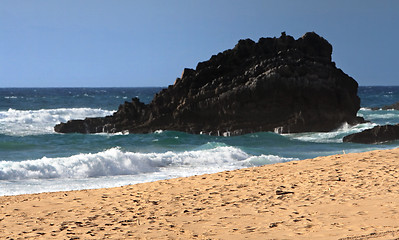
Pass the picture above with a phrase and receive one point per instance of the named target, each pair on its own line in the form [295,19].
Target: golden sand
[350,196]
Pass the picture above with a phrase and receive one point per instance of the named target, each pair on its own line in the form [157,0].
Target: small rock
[378,134]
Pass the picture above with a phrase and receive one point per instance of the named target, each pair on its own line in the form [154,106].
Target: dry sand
[350,196]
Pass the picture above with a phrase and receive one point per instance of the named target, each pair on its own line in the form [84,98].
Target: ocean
[34,159]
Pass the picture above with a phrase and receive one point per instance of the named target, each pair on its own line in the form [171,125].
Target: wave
[114,162]
[376,117]
[381,117]
[365,109]
[335,136]
[381,114]
[33,122]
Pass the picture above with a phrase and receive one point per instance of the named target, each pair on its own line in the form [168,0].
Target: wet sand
[348,196]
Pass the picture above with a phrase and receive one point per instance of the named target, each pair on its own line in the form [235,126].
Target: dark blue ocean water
[33,158]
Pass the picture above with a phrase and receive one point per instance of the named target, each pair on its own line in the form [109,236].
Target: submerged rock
[378,134]
[277,84]
[394,106]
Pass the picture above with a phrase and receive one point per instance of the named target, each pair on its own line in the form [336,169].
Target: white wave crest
[375,116]
[330,137]
[114,162]
[267,159]
[365,109]
[381,117]
[33,122]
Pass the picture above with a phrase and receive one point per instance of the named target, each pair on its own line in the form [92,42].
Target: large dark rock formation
[277,84]
[378,134]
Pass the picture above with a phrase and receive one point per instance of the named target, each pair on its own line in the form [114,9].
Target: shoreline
[346,196]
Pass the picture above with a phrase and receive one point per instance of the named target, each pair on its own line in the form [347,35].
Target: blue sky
[128,43]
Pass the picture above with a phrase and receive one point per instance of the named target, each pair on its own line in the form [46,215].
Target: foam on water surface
[335,136]
[114,163]
[33,122]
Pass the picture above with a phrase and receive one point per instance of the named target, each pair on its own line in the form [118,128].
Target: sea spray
[114,167]
[334,136]
[113,162]
[33,122]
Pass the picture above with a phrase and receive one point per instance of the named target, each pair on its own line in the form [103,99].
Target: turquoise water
[33,158]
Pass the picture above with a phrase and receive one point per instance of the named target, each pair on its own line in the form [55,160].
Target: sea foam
[380,117]
[114,162]
[33,122]
[334,136]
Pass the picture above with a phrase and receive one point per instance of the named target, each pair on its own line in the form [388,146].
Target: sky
[134,43]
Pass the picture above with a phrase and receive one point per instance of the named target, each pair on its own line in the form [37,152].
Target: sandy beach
[348,196]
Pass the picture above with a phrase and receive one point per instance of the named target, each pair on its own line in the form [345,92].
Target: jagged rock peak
[309,45]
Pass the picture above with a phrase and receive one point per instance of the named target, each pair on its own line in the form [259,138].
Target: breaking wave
[34,122]
[114,162]
[335,136]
